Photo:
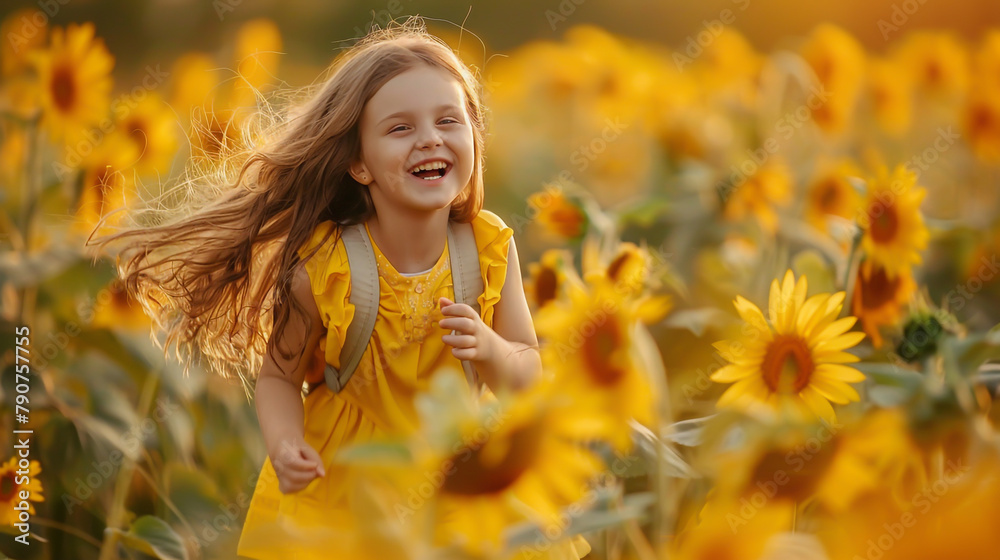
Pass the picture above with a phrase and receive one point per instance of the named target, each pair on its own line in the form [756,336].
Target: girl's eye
[446,120]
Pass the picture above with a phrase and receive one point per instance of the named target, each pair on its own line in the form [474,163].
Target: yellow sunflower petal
[837,371]
[819,405]
[731,373]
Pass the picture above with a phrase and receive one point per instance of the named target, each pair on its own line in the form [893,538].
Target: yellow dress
[405,350]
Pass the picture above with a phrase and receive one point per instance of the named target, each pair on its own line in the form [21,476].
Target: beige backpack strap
[364,297]
[466,277]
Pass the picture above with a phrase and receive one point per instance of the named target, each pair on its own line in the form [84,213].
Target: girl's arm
[506,356]
[279,396]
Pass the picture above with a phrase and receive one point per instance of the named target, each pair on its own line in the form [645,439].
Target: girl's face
[417,118]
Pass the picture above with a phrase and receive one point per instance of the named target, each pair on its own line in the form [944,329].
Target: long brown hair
[214,272]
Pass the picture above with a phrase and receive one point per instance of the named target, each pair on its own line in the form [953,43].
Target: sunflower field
[765,282]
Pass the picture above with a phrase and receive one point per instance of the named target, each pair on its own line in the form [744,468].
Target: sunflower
[831,194]
[588,344]
[894,231]
[987,61]
[876,456]
[879,298]
[150,126]
[258,46]
[765,190]
[521,462]
[838,61]
[547,278]
[75,77]
[119,311]
[107,183]
[981,121]
[19,87]
[557,214]
[12,483]
[195,77]
[889,92]
[797,360]
[936,61]
[627,269]
[722,533]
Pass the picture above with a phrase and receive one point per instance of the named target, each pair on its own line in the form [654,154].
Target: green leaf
[634,506]
[646,212]
[33,269]
[688,433]
[648,446]
[153,536]
[697,320]
[108,343]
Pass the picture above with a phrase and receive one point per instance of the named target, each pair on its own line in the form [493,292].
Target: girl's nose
[430,138]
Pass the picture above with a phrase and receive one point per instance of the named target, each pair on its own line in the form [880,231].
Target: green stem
[116,516]
[850,274]
[69,529]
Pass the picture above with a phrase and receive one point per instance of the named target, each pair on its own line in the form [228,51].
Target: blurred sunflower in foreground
[795,362]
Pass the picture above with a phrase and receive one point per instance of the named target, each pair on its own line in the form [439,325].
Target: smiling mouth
[432,174]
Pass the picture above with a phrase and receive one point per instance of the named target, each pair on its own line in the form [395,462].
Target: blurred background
[729,140]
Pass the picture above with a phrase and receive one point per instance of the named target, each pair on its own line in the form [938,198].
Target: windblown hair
[214,272]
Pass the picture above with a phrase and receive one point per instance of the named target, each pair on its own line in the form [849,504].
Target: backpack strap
[364,296]
[466,278]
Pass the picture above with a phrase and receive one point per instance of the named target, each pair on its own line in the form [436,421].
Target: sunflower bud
[920,336]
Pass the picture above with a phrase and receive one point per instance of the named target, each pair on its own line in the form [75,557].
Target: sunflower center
[884,222]
[614,269]
[7,487]
[788,364]
[473,475]
[63,89]
[878,290]
[598,349]
[545,286]
[829,195]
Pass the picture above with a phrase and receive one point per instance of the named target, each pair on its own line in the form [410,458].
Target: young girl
[361,151]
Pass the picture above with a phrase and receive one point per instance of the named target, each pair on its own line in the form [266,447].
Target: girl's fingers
[313,458]
[459,340]
[456,309]
[460,324]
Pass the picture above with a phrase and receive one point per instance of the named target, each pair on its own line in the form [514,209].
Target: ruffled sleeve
[492,239]
[330,279]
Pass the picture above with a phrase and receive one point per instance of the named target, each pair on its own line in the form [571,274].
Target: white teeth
[429,166]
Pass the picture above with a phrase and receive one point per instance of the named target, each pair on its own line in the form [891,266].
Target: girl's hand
[296,465]
[472,340]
